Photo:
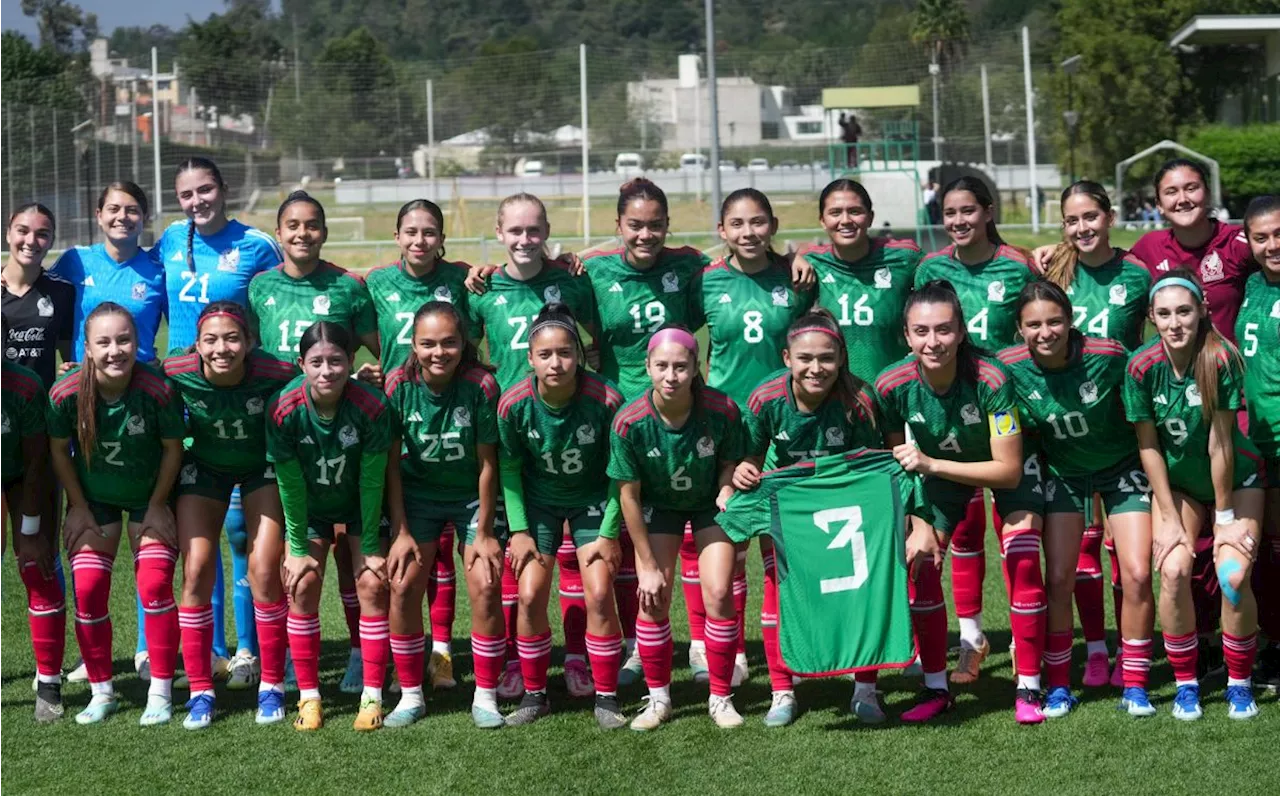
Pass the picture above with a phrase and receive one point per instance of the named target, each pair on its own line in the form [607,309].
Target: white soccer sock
[1098,648]
[486,698]
[371,693]
[441,648]
[56,679]
[102,689]
[1246,681]
[308,693]
[660,693]
[971,630]
[700,646]
[1031,681]
[161,687]
[863,691]
[410,698]
[936,680]
[265,686]
[740,659]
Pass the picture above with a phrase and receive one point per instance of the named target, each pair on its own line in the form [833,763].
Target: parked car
[758,164]
[628,164]
[693,161]
[728,165]
[529,168]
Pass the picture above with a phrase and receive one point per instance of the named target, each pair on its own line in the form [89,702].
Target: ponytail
[848,387]
[87,387]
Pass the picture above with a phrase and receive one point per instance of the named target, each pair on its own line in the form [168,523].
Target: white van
[529,168]
[628,164]
[693,161]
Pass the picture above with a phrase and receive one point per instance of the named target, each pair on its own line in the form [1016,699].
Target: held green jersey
[1110,301]
[397,295]
[747,316]
[282,308]
[228,425]
[328,449]
[507,310]
[678,469]
[957,425]
[1258,333]
[563,451]
[1153,393]
[837,525]
[24,416]
[127,453]
[784,434]
[867,297]
[634,304]
[439,433]
[987,291]
[1077,411]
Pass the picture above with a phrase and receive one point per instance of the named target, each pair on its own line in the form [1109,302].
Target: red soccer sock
[442,590]
[740,608]
[47,616]
[722,644]
[1057,659]
[624,588]
[928,618]
[487,655]
[653,640]
[573,604]
[91,578]
[968,559]
[691,584]
[1027,601]
[1183,652]
[153,567]
[535,658]
[605,653]
[409,654]
[273,639]
[779,676]
[1240,652]
[510,605]
[351,612]
[1136,662]
[304,642]
[1088,590]
[1117,588]
[374,633]
[870,676]
[196,625]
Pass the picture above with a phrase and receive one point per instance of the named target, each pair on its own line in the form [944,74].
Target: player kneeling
[554,426]
[327,435]
[443,404]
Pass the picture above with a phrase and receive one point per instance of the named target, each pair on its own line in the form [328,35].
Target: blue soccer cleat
[1186,704]
[1240,700]
[1135,702]
[1059,702]
[199,712]
[270,707]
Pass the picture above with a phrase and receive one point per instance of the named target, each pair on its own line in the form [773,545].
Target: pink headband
[673,335]
[820,329]
[238,318]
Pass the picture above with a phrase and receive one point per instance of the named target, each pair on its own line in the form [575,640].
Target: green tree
[41,76]
[135,43]
[942,26]
[232,59]
[1247,160]
[63,26]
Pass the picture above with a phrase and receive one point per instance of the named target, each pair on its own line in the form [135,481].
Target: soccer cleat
[1209,660]
[533,706]
[142,665]
[1240,702]
[1186,704]
[405,716]
[270,707]
[723,713]
[1059,702]
[512,683]
[1026,707]
[609,713]
[632,670]
[353,678]
[1097,670]
[1267,673]
[99,708]
[486,719]
[930,704]
[655,714]
[970,663]
[310,715]
[577,679]
[48,702]
[159,710]
[698,665]
[200,712]
[370,716]
[1136,703]
[243,671]
[78,673]
[782,711]
[221,667]
[867,709]
[741,671]
[440,669]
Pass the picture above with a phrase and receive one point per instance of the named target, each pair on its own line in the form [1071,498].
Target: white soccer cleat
[723,713]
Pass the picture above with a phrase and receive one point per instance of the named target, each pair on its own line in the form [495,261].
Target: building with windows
[1256,100]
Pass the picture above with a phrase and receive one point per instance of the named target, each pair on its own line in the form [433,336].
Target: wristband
[30,525]
[1224,517]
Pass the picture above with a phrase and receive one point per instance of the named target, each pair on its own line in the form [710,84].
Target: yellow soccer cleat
[440,668]
[970,663]
[310,716]
[370,716]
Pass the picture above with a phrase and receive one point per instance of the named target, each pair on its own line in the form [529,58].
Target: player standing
[958,406]
[328,436]
[126,426]
[443,403]
[1068,388]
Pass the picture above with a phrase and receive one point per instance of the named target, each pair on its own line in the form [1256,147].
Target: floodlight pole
[713,102]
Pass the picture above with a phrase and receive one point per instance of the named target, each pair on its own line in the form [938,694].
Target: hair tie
[1176,281]
[673,335]
[807,329]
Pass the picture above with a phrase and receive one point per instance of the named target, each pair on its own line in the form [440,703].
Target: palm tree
[943,27]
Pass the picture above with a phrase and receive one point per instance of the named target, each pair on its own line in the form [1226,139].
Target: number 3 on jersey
[845,523]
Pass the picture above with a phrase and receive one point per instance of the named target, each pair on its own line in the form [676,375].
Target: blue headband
[1176,281]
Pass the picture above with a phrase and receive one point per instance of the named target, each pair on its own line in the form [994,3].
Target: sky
[119,13]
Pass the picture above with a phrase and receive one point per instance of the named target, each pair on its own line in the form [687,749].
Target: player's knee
[198,577]
[408,589]
[370,588]
[1060,581]
[1175,572]
[597,592]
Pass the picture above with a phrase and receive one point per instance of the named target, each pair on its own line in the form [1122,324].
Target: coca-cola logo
[33,334]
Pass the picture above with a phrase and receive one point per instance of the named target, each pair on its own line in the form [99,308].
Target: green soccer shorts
[546,523]
[427,519]
[1123,487]
[949,500]
[671,522]
[198,479]
[108,514]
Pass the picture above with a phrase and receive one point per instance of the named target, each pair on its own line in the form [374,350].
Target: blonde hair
[516,198]
[1062,264]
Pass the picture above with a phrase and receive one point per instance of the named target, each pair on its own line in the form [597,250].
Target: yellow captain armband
[1004,423]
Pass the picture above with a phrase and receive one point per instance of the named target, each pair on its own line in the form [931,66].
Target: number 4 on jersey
[847,521]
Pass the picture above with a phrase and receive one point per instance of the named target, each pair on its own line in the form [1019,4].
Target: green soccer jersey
[784,434]
[129,447]
[439,433]
[837,525]
[678,468]
[24,416]
[563,452]
[747,316]
[228,424]
[508,308]
[329,449]
[397,296]
[957,425]
[634,304]
[1153,393]
[867,297]
[282,308]
[1077,411]
[1258,332]
[1110,301]
[987,291]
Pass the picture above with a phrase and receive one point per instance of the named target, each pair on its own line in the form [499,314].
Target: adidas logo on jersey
[88,281]
[782,436]
[617,288]
[828,280]
[271,301]
[393,297]
[177,258]
[1034,396]
[414,418]
[1160,399]
[654,453]
[1163,266]
[198,404]
[501,300]
[917,418]
[307,440]
[533,434]
[724,298]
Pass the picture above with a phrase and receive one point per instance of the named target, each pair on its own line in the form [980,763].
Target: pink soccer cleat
[931,703]
[1097,671]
